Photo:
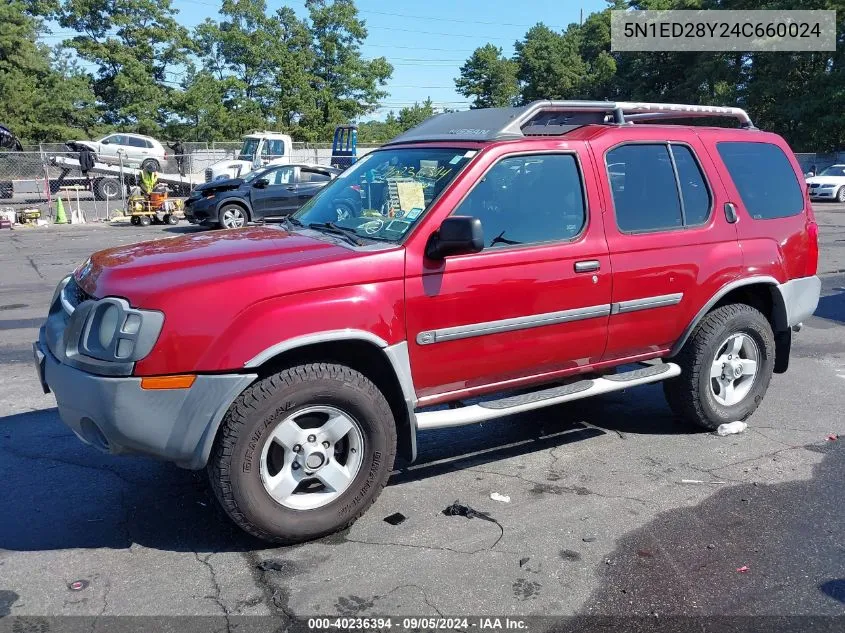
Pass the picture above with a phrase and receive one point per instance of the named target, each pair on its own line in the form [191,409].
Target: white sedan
[828,185]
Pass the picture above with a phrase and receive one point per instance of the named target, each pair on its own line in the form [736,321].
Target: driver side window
[283,176]
[528,199]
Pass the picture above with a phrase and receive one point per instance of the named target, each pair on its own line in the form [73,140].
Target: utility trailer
[106,178]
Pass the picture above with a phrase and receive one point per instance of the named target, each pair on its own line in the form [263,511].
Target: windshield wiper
[290,222]
[334,229]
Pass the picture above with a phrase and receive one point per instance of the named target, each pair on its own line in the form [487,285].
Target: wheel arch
[762,293]
[388,366]
[236,201]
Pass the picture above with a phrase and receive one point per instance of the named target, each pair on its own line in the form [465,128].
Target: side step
[544,397]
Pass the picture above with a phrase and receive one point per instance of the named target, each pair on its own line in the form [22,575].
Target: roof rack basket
[555,118]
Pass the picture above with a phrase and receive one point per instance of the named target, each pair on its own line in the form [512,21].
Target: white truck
[259,149]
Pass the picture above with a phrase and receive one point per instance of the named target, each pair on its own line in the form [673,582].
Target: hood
[141,272]
[223,183]
[826,180]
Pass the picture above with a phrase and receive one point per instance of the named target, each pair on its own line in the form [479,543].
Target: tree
[489,78]
[550,64]
[41,99]
[345,85]
[137,47]
[393,125]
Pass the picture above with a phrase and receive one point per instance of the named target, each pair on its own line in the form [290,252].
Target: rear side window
[764,178]
[657,187]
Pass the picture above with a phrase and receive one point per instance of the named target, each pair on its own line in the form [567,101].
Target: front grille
[208,174]
[74,294]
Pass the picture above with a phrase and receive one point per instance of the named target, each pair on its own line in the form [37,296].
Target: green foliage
[393,125]
[39,100]
[489,78]
[798,95]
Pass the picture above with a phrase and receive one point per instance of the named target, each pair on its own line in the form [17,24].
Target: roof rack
[542,118]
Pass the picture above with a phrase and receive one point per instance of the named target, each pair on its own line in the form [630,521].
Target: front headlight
[116,332]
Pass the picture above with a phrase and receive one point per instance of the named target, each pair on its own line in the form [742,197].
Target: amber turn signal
[168,382]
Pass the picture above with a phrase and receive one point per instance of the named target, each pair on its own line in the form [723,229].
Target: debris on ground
[495,496]
[522,561]
[458,510]
[78,585]
[395,519]
[569,554]
[644,553]
[589,539]
[832,437]
[272,565]
[731,428]
[699,481]
[742,569]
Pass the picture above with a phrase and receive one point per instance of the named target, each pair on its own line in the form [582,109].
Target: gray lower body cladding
[117,416]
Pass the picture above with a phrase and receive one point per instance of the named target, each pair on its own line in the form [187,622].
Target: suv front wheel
[726,366]
[303,453]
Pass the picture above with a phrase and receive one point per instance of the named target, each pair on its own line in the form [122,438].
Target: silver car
[136,150]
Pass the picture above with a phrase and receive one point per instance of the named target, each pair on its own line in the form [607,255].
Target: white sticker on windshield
[413,214]
[471,153]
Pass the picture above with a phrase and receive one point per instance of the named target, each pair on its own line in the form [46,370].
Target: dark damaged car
[267,194]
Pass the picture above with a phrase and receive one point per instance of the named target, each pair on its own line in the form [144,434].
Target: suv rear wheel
[726,366]
[303,453]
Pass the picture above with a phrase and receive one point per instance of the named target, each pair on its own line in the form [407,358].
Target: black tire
[233,209]
[690,396]
[840,195]
[233,467]
[144,220]
[151,164]
[107,189]
[171,219]
[135,220]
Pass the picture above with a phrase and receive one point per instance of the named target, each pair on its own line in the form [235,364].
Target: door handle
[587,266]
[730,213]
[290,188]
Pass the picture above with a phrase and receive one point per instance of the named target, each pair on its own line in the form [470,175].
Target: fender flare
[396,355]
[779,315]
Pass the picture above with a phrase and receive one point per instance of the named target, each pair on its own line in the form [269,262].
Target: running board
[544,398]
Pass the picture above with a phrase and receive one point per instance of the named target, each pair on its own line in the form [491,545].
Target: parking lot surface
[615,509]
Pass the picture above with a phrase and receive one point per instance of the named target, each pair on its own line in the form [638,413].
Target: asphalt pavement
[616,509]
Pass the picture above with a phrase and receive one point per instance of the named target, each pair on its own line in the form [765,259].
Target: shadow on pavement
[832,307]
[687,561]
[64,494]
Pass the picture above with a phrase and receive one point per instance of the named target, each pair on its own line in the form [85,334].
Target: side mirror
[457,235]
[261,183]
[105,141]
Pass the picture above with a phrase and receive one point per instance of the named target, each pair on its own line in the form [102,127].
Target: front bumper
[201,211]
[117,416]
[822,194]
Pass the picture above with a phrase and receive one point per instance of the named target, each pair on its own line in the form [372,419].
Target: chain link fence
[41,173]
[816,162]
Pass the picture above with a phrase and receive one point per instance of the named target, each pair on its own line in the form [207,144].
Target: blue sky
[428,41]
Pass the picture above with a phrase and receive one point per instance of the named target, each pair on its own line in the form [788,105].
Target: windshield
[386,192]
[834,170]
[248,149]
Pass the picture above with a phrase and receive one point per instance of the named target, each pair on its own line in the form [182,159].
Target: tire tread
[247,404]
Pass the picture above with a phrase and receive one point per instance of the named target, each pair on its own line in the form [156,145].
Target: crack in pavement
[35,267]
[274,599]
[421,590]
[216,597]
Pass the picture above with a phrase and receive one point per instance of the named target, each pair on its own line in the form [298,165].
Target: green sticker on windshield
[413,214]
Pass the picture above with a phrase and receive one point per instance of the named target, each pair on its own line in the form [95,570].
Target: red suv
[518,257]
